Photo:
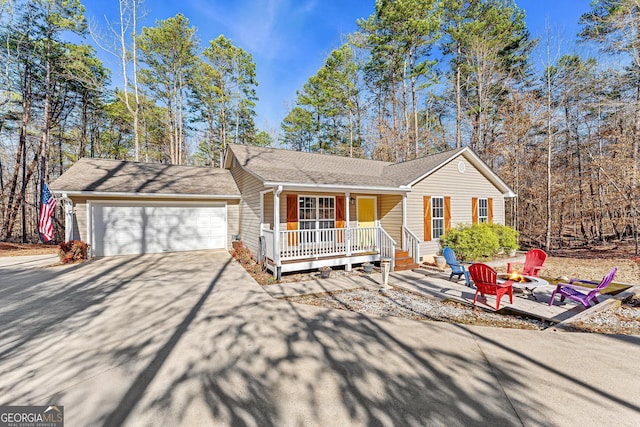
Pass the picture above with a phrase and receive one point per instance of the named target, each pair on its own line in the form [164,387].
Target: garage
[128,208]
[126,229]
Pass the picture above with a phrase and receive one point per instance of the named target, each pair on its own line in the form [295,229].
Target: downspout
[276,231]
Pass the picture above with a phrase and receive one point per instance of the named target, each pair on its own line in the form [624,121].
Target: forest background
[416,78]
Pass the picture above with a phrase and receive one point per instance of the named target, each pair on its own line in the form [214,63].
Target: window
[307,213]
[483,210]
[437,217]
[316,213]
[326,212]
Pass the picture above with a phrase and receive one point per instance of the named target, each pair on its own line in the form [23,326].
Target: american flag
[45,225]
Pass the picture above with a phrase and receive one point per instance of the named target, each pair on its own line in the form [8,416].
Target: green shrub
[507,236]
[73,251]
[471,242]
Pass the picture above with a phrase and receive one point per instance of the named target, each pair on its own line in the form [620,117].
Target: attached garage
[124,229]
[127,208]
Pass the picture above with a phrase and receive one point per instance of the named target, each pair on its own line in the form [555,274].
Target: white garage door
[138,229]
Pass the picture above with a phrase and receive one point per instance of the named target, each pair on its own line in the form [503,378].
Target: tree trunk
[634,167]
[414,104]
[21,161]
[124,58]
[547,243]
[458,90]
[46,129]
[84,124]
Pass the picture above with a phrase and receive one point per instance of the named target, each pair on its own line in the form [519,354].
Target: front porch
[296,250]
[304,230]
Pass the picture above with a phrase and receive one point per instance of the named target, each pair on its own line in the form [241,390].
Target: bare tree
[124,47]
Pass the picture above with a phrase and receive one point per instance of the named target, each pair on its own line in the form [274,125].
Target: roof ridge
[140,163]
[311,153]
[451,151]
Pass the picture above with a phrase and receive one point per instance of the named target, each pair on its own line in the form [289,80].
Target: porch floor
[333,257]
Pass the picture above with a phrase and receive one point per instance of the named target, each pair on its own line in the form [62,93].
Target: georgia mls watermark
[31,416]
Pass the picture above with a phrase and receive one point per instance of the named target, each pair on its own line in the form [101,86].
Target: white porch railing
[328,242]
[301,244]
[387,247]
[411,244]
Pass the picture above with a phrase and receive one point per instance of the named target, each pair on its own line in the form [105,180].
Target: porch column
[404,221]
[347,215]
[68,218]
[347,203]
[276,230]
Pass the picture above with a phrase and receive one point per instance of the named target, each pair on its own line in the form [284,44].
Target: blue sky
[290,39]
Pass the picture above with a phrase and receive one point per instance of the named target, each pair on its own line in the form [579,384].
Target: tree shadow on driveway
[193,340]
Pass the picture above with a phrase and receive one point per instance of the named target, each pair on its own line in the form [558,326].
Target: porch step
[402,254]
[411,266]
[404,261]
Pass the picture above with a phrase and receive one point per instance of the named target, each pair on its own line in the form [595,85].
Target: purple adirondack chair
[572,289]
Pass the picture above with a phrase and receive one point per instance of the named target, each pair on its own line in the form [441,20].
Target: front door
[366,222]
[366,212]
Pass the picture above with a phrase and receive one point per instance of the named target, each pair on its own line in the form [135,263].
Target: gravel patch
[619,320]
[400,303]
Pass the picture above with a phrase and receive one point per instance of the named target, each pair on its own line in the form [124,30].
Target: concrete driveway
[190,339]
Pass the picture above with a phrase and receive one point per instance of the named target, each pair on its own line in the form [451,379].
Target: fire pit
[520,281]
[516,277]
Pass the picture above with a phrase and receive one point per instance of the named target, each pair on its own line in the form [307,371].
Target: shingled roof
[114,176]
[296,167]
[409,172]
[287,166]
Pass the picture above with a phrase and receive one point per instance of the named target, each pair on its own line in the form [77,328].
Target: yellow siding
[461,187]
[250,188]
[390,214]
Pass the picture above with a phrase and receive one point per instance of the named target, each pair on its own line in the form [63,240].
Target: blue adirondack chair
[457,269]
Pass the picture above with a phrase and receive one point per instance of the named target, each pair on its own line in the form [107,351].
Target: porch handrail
[411,243]
[387,246]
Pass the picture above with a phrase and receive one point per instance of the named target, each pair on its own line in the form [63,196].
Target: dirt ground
[593,263]
[20,249]
[591,269]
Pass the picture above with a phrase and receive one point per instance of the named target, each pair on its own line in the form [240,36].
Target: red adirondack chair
[533,262]
[485,279]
